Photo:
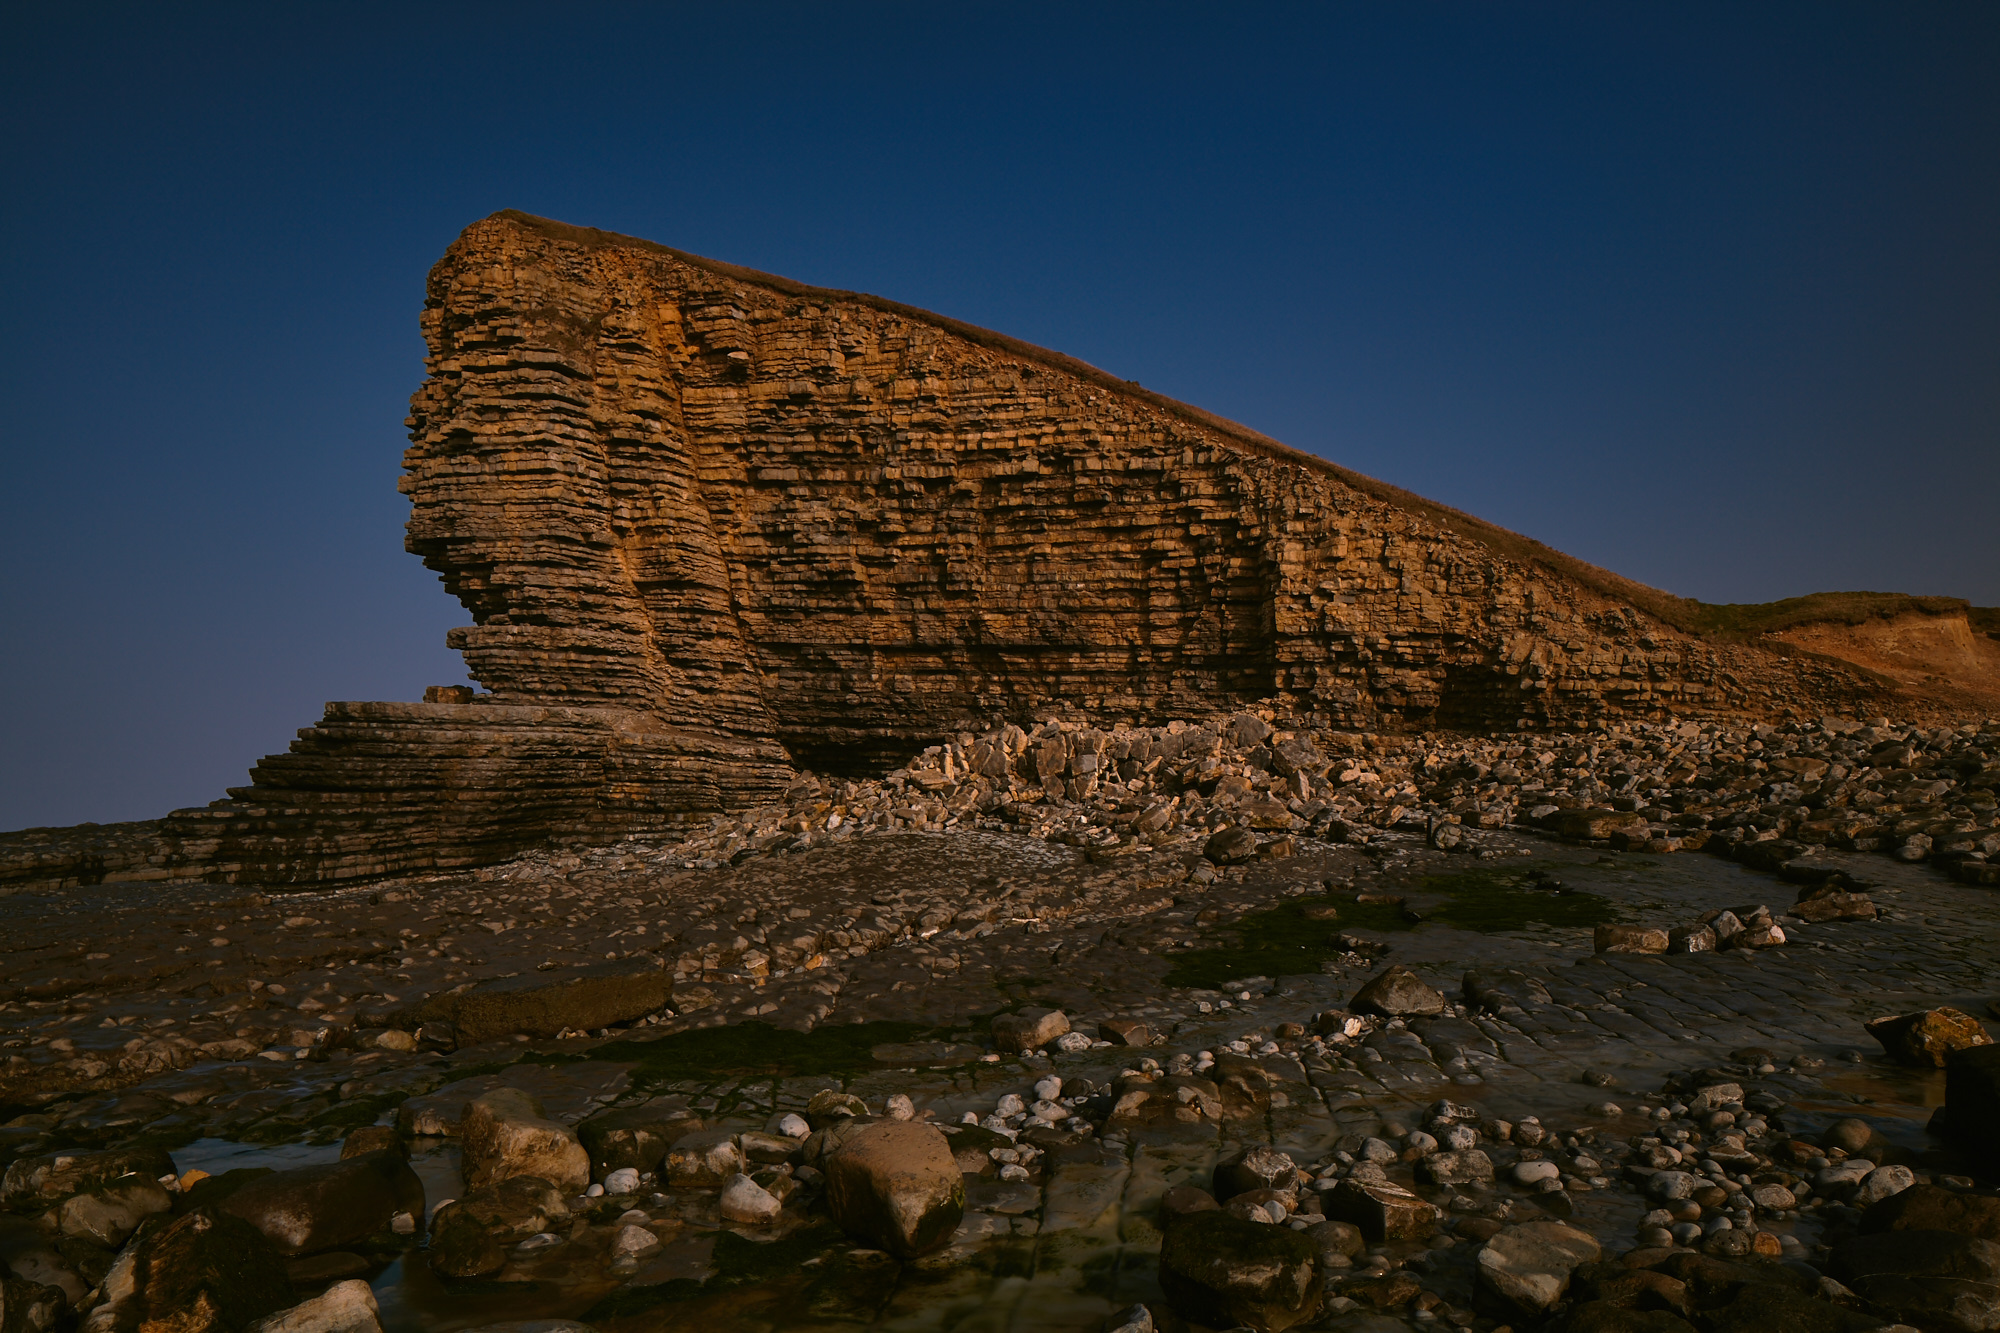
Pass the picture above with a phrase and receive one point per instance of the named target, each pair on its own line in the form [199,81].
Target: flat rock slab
[547,1004]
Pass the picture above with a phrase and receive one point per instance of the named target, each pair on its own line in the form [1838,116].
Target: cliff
[712,526]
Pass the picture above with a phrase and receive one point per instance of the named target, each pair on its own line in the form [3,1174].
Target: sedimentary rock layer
[786,513]
[712,526]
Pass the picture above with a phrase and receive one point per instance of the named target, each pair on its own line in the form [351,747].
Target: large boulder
[108,1215]
[1383,1210]
[1226,1272]
[703,1159]
[505,1133]
[36,1182]
[634,1136]
[1933,1279]
[344,1307]
[203,1272]
[1972,1103]
[1258,1167]
[544,1004]
[1927,1037]
[1397,992]
[1530,1265]
[896,1186]
[1029,1030]
[310,1209]
[27,1306]
[1934,1208]
[470,1237]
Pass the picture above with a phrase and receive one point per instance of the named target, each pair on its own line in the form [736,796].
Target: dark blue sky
[1709,295]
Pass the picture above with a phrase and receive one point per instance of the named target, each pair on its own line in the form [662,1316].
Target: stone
[744,1200]
[1934,1208]
[1125,1032]
[1258,1167]
[1530,1265]
[1671,1185]
[1882,1183]
[203,1272]
[1934,1279]
[310,1209]
[1826,904]
[705,1158]
[1226,1272]
[546,1004]
[634,1137]
[1132,1319]
[505,1133]
[108,1215]
[1396,992]
[1850,1134]
[1028,1030]
[831,1104]
[27,1306]
[1181,1200]
[1535,1172]
[1712,1097]
[1231,846]
[894,1185]
[1629,939]
[1468,1166]
[1694,939]
[374,1138]
[1382,1210]
[1595,824]
[472,1236]
[344,1307]
[625,1180]
[633,1242]
[52,1177]
[1929,1036]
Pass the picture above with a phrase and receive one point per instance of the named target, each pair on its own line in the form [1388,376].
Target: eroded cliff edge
[712,526]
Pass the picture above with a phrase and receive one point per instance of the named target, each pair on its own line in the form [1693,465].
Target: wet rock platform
[1209,1010]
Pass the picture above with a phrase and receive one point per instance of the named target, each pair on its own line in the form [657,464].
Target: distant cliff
[712,526]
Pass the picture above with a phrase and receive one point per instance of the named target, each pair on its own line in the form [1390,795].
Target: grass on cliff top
[1985,620]
[1283,941]
[1744,620]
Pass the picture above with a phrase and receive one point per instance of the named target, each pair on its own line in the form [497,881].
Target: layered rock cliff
[712,526]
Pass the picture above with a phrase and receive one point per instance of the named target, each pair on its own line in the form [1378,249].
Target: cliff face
[786,513]
[713,526]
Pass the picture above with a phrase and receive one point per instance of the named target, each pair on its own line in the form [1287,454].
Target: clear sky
[1709,295]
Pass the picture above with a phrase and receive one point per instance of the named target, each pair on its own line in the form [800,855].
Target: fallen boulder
[1934,1208]
[895,1185]
[1226,1272]
[203,1272]
[310,1209]
[505,1133]
[1933,1279]
[1382,1210]
[52,1177]
[108,1215]
[344,1307]
[1029,1030]
[1927,1037]
[1395,992]
[470,1237]
[1530,1265]
[546,1004]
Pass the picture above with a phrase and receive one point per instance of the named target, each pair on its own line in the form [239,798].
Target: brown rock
[894,1185]
[1029,1030]
[506,1134]
[331,1206]
[1382,1210]
[1395,992]
[1125,1032]
[545,1004]
[1629,939]
[1927,1037]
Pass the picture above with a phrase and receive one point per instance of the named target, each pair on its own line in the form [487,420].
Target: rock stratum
[714,527]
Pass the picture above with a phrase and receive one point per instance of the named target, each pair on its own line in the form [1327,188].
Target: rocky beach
[1212,1024]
